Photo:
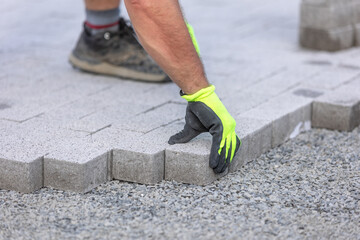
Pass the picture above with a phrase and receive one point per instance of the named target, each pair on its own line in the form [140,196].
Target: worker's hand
[206,113]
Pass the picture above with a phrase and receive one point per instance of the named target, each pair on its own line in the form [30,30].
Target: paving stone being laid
[189,163]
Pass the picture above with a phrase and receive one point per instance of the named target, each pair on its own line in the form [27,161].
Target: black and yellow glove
[206,113]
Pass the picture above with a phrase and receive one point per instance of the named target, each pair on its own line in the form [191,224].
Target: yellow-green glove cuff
[193,38]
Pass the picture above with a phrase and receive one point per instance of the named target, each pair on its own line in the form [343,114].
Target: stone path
[73,131]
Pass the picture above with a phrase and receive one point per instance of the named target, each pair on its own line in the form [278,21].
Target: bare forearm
[162,31]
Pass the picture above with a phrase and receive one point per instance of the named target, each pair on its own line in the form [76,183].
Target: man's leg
[161,29]
[108,46]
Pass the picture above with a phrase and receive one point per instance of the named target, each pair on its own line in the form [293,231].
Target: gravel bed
[307,188]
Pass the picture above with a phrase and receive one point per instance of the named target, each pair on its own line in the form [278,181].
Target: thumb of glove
[193,127]
[184,135]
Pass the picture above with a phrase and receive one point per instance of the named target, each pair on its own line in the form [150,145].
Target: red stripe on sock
[101,26]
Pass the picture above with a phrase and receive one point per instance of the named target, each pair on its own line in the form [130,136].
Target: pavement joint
[153,108]
[100,129]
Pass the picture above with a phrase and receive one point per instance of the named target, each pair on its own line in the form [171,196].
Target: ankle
[102,21]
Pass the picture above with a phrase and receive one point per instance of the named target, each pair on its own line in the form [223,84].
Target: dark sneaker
[115,53]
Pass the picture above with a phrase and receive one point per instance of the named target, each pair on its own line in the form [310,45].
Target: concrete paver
[256,139]
[21,174]
[70,130]
[328,25]
[339,109]
[189,163]
[76,165]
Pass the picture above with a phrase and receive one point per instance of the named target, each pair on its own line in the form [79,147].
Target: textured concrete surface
[329,25]
[73,131]
[339,109]
[189,163]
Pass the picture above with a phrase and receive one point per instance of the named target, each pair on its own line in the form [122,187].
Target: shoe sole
[108,69]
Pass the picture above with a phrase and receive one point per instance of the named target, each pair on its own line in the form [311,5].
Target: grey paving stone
[100,109]
[186,162]
[22,175]
[330,78]
[338,110]
[286,80]
[357,33]
[319,2]
[259,139]
[355,6]
[288,115]
[255,135]
[139,167]
[230,77]
[74,175]
[54,93]
[291,125]
[154,118]
[157,94]
[266,88]
[129,116]
[138,157]
[326,16]
[189,163]
[21,158]
[138,92]
[105,117]
[39,146]
[244,101]
[335,116]
[67,114]
[76,164]
[328,25]
[327,40]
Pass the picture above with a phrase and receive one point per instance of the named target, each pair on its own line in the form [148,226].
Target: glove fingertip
[238,145]
[173,140]
[220,163]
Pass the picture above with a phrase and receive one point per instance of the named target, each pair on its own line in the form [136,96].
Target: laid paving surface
[308,188]
[73,131]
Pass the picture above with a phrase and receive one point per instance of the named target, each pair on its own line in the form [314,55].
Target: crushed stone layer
[308,188]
